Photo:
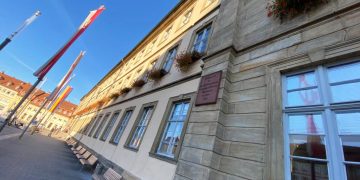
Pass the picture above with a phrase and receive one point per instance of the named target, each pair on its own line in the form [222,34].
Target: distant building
[287,107]
[11,92]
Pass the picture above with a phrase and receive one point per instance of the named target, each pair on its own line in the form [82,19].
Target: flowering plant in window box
[290,8]
[138,83]
[125,90]
[184,60]
[114,95]
[100,103]
[157,74]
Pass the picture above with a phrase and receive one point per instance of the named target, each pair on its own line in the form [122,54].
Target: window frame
[163,62]
[199,29]
[153,152]
[328,108]
[96,122]
[100,125]
[108,124]
[90,124]
[120,123]
[140,114]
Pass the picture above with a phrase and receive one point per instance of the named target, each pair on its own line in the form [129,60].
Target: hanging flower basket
[138,83]
[157,74]
[183,61]
[125,90]
[289,8]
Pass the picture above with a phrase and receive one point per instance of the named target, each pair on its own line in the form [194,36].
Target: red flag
[61,98]
[44,69]
[65,79]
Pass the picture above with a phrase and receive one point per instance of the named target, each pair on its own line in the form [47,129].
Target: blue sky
[121,26]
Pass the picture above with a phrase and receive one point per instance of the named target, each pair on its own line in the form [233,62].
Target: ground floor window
[173,129]
[102,123]
[96,122]
[140,127]
[322,122]
[109,126]
[121,126]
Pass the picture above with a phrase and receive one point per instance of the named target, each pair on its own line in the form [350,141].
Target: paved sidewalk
[38,158]
[10,130]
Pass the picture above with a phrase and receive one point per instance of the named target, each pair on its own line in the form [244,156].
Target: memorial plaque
[208,89]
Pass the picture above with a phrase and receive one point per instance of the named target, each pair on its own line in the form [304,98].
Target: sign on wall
[208,89]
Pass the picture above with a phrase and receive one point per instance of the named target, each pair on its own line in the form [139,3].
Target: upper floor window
[201,40]
[322,122]
[140,127]
[121,126]
[170,57]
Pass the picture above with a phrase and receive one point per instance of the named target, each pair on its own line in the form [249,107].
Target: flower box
[138,83]
[282,9]
[184,60]
[157,74]
[114,95]
[125,90]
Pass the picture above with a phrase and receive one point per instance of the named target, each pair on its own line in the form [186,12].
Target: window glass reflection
[307,146]
[344,72]
[345,92]
[308,170]
[348,123]
[301,81]
[352,172]
[306,124]
[303,98]
[351,148]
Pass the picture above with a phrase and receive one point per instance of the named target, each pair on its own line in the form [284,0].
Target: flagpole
[44,69]
[22,27]
[33,119]
[42,118]
[29,101]
[20,103]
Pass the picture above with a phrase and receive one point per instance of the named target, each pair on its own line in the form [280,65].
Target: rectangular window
[89,125]
[96,122]
[102,123]
[322,122]
[140,127]
[201,40]
[109,126]
[171,134]
[170,57]
[121,126]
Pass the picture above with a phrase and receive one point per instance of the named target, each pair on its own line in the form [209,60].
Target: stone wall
[241,137]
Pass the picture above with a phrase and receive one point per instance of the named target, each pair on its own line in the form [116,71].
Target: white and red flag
[66,78]
[45,68]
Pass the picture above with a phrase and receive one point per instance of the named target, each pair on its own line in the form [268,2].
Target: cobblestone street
[37,157]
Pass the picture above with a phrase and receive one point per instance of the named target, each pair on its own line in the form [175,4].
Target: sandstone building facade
[288,105]
[11,92]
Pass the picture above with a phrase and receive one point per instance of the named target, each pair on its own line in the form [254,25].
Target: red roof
[65,109]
